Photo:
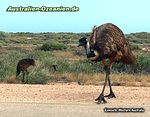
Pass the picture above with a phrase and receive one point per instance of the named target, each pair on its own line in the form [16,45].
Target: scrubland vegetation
[61,49]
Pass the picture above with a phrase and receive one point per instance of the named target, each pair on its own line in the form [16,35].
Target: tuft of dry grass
[12,80]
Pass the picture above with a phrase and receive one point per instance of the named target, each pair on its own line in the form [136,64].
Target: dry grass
[66,55]
[12,80]
[21,46]
[98,79]
[131,80]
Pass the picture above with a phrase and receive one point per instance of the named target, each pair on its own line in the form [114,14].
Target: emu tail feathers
[129,58]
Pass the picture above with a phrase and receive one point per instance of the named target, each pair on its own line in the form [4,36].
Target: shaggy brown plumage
[109,41]
[22,66]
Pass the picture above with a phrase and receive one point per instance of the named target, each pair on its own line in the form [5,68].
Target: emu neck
[90,53]
[87,49]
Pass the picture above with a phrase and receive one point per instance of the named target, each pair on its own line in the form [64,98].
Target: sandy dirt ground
[65,100]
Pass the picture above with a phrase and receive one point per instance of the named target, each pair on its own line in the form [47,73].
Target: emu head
[85,43]
[32,62]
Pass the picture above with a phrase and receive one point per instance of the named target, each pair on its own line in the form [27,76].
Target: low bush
[53,46]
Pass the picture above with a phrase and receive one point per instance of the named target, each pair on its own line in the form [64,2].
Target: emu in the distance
[22,66]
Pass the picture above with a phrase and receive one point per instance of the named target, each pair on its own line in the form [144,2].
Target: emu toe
[111,95]
[101,99]
[26,82]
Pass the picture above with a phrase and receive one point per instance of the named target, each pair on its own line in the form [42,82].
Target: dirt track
[64,100]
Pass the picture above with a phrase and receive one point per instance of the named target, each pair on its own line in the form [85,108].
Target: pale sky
[129,15]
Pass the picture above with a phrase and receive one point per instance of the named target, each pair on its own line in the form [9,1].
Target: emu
[107,43]
[22,66]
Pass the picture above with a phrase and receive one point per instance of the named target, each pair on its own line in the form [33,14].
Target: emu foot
[101,99]
[111,95]
[23,82]
[26,83]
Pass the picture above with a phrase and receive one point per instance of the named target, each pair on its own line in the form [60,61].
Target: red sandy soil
[72,92]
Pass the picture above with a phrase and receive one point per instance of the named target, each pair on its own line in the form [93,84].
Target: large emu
[22,66]
[107,42]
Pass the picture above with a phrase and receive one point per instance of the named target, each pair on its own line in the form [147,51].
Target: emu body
[107,42]
[22,66]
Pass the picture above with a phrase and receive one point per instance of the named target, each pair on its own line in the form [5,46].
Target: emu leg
[101,98]
[54,68]
[23,77]
[27,77]
[111,95]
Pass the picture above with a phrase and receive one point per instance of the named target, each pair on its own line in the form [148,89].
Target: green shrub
[38,77]
[39,55]
[142,65]
[135,47]
[82,66]
[3,35]
[53,46]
